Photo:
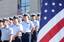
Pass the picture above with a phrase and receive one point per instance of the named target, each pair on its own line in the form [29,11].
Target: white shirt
[36,24]
[6,32]
[17,28]
[27,26]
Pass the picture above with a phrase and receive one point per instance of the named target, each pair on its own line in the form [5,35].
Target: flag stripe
[53,32]
[50,25]
[62,40]
[52,21]
[58,36]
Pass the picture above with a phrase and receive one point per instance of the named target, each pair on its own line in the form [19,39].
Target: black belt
[0,40]
[6,41]
[19,37]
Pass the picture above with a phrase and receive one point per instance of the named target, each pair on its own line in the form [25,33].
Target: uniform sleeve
[31,25]
[21,27]
[37,25]
[11,31]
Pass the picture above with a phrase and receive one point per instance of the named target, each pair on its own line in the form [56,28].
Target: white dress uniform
[34,35]
[27,26]
[17,28]
[6,32]
[36,24]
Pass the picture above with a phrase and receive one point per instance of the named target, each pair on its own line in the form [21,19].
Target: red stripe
[53,31]
[62,40]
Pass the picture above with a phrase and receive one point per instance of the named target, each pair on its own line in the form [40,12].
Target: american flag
[52,21]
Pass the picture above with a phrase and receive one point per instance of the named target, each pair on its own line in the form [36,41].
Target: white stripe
[50,24]
[58,36]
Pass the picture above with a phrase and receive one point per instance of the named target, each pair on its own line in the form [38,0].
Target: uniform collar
[27,21]
[33,20]
[16,24]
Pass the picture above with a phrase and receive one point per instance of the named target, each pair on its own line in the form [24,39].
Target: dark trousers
[13,41]
[6,41]
[17,39]
[0,41]
[26,37]
[34,37]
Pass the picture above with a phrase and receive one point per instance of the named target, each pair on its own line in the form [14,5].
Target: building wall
[35,5]
[8,8]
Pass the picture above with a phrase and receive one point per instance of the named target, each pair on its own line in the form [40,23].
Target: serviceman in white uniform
[7,32]
[18,29]
[36,24]
[28,27]
[38,16]
[1,26]
[10,21]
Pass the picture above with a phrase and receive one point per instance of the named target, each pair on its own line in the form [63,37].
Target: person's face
[38,17]
[25,18]
[10,21]
[34,17]
[6,23]
[20,19]
[1,24]
[15,21]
